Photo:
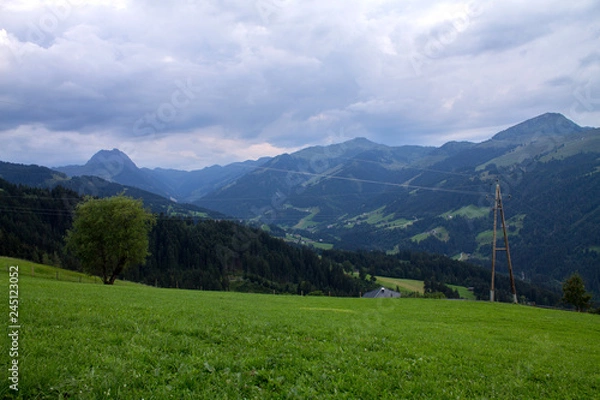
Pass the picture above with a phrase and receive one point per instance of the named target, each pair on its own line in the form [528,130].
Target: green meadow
[410,286]
[31,269]
[406,286]
[83,340]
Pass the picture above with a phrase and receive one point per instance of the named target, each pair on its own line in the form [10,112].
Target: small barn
[380,293]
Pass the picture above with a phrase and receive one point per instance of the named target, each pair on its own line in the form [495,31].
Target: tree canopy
[109,235]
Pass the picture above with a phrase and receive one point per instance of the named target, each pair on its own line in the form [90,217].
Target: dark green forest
[223,255]
[33,221]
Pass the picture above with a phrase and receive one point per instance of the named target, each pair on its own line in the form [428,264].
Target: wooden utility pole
[495,248]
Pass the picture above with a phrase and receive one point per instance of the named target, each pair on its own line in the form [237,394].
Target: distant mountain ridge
[252,188]
[361,160]
[116,166]
[192,186]
[36,176]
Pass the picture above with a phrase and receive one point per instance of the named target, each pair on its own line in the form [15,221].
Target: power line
[370,181]
[337,177]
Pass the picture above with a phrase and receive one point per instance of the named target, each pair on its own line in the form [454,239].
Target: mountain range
[36,176]
[364,195]
[247,189]
[181,186]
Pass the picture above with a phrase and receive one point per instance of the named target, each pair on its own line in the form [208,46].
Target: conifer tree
[574,293]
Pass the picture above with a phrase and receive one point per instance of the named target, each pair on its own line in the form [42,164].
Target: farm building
[382,292]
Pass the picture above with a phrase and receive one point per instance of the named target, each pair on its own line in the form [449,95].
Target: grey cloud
[560,81]
[591,59]
[289,72]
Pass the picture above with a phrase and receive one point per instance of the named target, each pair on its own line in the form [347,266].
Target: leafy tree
[574,293]
[109,235]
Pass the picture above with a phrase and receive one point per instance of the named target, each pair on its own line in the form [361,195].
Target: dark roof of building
[381,292]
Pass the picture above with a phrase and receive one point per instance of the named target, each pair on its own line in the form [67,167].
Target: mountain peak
[548,124]
[109,155]
[109,163]
[360,141]
[345,149]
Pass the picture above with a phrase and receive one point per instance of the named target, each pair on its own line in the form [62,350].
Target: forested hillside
[223,255]
[185,253]
[33,221]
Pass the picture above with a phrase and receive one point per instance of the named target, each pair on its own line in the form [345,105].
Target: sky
[191,83]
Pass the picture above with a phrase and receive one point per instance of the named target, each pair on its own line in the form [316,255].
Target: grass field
[378,219]
[471,211]
[298,239]
[91,341]
[440,233]
[307,221]
[408,286]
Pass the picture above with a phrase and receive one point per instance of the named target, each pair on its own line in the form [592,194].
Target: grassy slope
[378,219]
[463,292]
[94,341]
[471,211]
[439,233]
[28,268]
[406,285]
[295,238]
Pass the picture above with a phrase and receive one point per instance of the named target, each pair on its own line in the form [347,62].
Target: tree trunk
[118,269]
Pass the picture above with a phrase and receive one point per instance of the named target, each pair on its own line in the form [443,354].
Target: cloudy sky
[190,83]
